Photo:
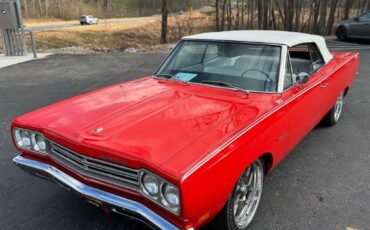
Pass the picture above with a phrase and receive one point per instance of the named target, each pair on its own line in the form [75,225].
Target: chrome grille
[95,168]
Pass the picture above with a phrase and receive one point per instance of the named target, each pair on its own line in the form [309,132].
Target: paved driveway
[323,184]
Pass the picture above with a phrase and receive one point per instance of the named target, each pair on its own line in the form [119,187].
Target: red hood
[149,123]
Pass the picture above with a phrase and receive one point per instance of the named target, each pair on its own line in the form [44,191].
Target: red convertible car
[191,144]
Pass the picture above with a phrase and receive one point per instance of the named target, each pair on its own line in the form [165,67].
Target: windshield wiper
[170,76]
[222,83]
[167,76]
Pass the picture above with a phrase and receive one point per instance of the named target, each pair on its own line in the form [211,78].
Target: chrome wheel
[338,107]
[247,194]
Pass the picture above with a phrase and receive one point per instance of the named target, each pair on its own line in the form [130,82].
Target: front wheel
[334,114]
[242,205]
[341,33]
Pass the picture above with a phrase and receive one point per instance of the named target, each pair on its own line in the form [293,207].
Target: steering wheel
[257,70]
[269,79]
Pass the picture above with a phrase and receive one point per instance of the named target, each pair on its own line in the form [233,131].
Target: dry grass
[117,37]
[51,22]
[30,21]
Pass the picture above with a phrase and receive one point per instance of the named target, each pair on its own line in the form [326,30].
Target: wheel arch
[341,26]
[267,159]
[346,90]
[217,196]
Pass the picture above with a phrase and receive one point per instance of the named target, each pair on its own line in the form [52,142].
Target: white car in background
[88,20]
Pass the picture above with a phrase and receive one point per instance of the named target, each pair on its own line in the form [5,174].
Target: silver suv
[357,27]
[88,20]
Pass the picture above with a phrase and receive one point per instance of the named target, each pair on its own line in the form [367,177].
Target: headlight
[22,138]
[160,191]
[170,196]
[151,184]
[30,140]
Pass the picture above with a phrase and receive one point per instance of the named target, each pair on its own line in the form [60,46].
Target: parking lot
[323,184]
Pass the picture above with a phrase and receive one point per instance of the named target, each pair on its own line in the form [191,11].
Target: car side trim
[113,202]
[263,117]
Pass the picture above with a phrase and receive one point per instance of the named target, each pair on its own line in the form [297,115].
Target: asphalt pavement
[323,184]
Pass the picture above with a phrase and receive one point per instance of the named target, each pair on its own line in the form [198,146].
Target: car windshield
[250,67]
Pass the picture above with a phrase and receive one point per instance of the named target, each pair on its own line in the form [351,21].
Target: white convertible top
[267,36]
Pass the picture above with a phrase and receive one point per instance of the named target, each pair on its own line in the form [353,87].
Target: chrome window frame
[283,56]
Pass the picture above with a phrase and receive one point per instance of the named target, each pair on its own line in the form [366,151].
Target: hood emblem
[98,130]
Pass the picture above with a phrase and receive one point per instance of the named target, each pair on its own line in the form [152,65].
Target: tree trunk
[273,18]
[236,27]
[107,8]
[251,15]
[217,15]
[316,13]
[164,21]
[282,16]
[229,18]
[347,8]
[266,18]
[260,16]
[223,15]
[320,29]
[330,22]
[298,6]
[243,13]
[289,14]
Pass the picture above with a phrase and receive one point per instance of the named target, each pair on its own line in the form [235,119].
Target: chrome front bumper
[113,202]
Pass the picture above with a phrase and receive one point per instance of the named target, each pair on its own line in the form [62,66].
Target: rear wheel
[341,33]
[334,114]
[242,205]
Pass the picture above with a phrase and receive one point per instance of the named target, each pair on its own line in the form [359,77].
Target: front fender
[207,188]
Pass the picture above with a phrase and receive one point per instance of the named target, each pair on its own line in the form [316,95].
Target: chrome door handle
[324,85]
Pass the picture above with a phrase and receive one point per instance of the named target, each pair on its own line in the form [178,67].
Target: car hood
[153,123]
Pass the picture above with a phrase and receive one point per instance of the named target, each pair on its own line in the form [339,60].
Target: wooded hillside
[312,16]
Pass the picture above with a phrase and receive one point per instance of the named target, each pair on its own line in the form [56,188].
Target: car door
[306,103]
[365,30]
[360,26]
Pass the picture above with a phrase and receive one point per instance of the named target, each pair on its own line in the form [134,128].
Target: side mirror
[302,78]
[356,19]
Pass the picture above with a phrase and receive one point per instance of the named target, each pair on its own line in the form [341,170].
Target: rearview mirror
[356,19]
[302,78]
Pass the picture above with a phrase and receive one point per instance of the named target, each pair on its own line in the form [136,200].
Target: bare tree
[229,15]
[107,7]
[164,31]
[223,15]
[217,2]
[242,14]
[347,7]
[333,8]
